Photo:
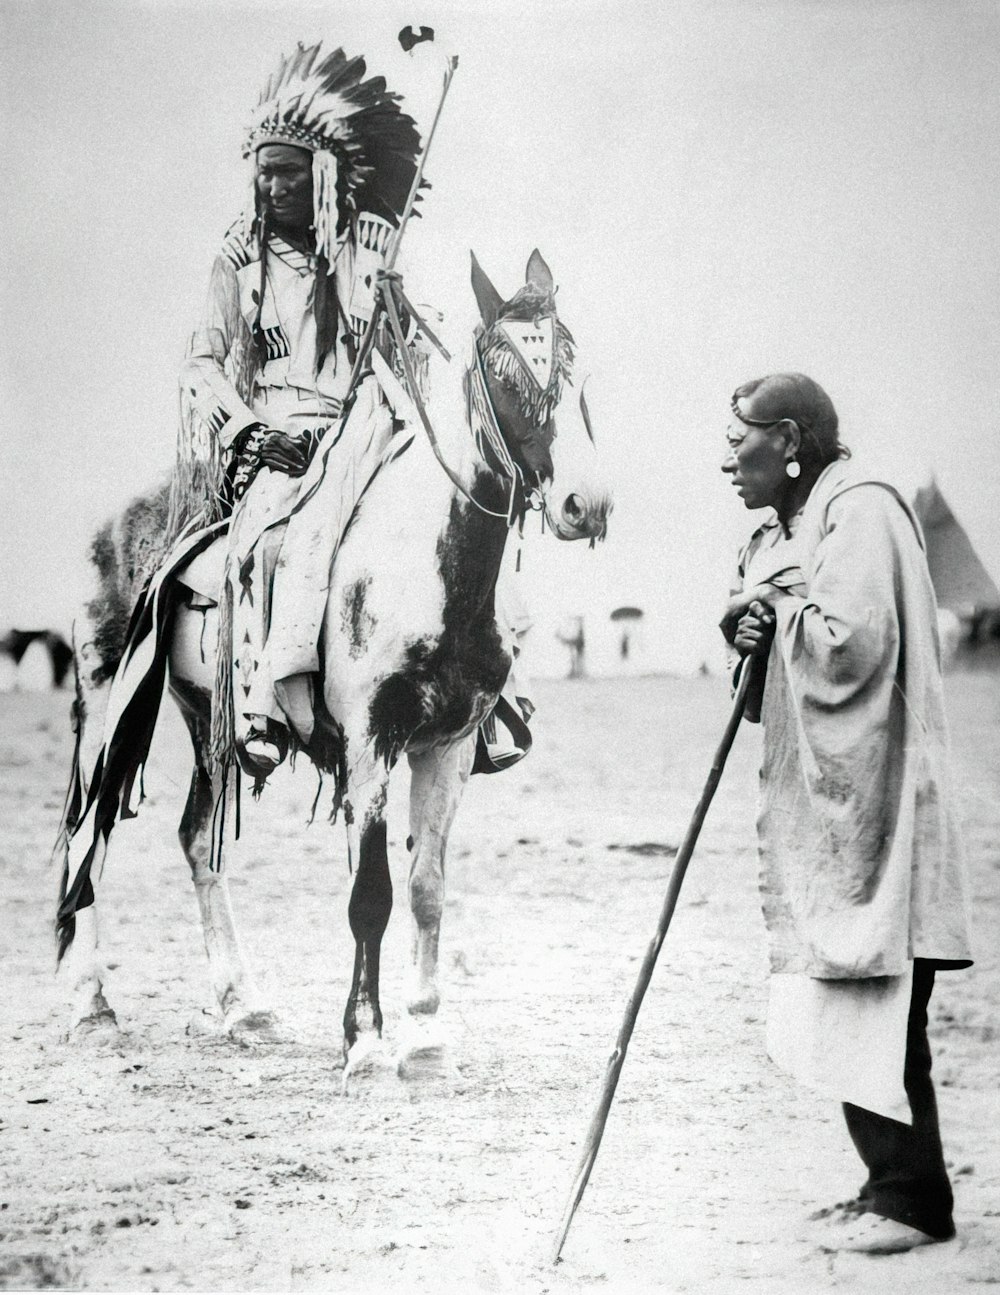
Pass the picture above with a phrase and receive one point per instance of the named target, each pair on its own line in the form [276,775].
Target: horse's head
[525,366]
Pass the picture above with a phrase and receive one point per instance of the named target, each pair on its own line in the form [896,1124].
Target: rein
[483,407]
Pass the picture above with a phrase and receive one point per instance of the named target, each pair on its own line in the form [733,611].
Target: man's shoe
[872,1234]
[264,747]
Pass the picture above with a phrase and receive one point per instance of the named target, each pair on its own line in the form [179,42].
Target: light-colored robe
[275,544]
[861,866]
[223,386]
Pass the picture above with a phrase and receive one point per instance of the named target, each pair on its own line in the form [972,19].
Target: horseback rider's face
[284,185]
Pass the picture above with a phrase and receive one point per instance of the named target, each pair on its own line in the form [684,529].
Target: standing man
[861,867]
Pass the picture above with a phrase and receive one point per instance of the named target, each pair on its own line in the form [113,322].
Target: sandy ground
[165,1160]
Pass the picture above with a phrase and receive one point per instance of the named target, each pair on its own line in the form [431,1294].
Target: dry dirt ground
[166,1160]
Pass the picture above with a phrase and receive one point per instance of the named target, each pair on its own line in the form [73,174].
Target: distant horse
[413,659]
[17,644]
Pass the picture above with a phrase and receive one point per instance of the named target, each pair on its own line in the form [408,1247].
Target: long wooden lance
[451,63]
[683,858]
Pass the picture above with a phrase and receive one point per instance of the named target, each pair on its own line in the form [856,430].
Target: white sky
[722,190]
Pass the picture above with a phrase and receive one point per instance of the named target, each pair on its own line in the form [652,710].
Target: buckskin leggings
[907,1179]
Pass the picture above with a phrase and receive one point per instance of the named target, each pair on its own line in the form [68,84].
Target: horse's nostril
[573,509]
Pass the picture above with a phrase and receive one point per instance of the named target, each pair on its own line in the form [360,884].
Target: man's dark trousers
[907,1179]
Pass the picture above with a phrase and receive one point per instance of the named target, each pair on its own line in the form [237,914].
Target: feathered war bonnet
[364,147]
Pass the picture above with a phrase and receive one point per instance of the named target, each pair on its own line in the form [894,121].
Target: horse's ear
[487,297]
[538,272]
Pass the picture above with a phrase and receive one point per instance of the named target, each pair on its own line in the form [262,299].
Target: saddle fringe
[222,748]
[65,923]
[197,479]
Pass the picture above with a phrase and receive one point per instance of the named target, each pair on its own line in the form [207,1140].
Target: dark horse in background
[412,656]
[15,643]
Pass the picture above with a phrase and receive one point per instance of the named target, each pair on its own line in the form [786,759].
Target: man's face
[755,460]
[284,185]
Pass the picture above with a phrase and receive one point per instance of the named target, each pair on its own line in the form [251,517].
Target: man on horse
[290,405]
[272,372]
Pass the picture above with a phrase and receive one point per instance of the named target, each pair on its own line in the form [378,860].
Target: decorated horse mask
[527,354]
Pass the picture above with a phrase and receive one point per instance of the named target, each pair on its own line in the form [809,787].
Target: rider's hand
[755,631]
[283,453]
[395,281]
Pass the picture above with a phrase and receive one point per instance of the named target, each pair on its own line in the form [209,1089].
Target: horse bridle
[530,495]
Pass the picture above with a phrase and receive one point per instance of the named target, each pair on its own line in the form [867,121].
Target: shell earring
[793,468]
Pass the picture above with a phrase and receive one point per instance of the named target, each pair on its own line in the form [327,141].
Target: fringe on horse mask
[529,349]
[531,352]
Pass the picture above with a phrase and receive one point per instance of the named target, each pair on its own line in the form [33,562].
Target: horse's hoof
[259,1026]
[206,1024]
[98,1024]
[424,1002]
[362,1057]
[423,1054]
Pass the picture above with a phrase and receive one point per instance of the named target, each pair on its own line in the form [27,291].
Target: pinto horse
[412,656]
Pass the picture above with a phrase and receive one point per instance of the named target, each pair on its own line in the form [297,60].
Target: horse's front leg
[369,907]
[438,780]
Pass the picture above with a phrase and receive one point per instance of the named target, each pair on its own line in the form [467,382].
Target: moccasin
[871,1234]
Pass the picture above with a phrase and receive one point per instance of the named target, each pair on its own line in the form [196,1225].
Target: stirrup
[501,749]
[500,745]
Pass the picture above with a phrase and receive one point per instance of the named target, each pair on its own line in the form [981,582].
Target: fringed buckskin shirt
[225,387]
[861,863]
[223,381]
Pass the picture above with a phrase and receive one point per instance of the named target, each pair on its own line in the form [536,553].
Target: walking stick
[617,1058]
